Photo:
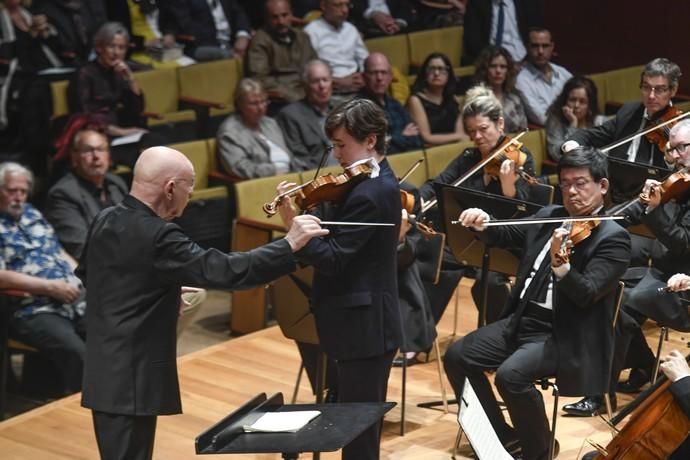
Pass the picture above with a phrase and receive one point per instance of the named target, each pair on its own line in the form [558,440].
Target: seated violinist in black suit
[558,320]
[482,117]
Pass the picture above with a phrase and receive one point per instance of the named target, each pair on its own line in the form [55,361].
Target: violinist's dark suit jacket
[583,301]
[355,293]
[670,254]
[626,122]
[133,267]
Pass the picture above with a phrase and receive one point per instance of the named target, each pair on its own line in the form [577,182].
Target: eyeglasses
[92,150]
[647,89]
[16,191]
[579,185]
[678,148]
[443,70]
[376,73]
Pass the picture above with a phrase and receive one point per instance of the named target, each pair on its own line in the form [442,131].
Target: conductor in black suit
[559,317]
[134,265]
[354,292]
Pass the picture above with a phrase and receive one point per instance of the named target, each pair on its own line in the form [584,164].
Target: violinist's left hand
[286,208]
[559,236]
[674,366]
[508,176]
[653,191]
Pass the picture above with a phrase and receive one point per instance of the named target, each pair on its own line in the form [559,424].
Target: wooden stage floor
[216,380]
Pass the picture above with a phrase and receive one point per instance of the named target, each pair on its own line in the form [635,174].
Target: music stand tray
[336,427]
[627,178]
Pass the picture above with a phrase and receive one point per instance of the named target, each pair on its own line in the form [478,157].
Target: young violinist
[669,221]
[658,85]
[482,116]
[558,320]
[354,292]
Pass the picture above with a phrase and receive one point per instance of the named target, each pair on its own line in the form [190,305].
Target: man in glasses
[540,81]
[658,85]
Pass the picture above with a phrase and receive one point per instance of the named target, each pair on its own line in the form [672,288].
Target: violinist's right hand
[474,218]
[679,282]
[286,207]
[302,230]
[674,366]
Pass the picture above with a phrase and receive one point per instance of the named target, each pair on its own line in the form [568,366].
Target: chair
[209,87]
[402,162]
[439,156]
[161,91]
[599,80]
[395,47]
[622,85]
[447,40]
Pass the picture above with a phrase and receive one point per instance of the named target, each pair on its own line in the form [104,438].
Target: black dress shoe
[589,406]
[637,379]
[398,361]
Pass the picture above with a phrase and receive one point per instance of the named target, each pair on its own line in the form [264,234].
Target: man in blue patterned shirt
[32,260]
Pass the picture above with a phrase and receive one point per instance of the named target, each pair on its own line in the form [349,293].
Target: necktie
[499,26]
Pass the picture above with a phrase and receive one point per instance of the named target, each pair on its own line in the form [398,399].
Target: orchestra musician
[658,85]
[558,320]
[354,293]
[669,221]
[482,117]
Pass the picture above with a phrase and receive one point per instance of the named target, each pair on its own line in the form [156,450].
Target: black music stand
[335,428]
[627,178]
[466,245]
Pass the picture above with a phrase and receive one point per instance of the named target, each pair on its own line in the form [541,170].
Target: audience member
[503,23]
[496,69]
[540,81]
[150,28]
[658,85]
[251,144]
[338,43]
[75,200]
[32,260]
[277,54]
[433,106]
[108,87]
[216,29]
[29,45]
[302,122]
[383,17]
[403,134]
[575,108]
[438,14]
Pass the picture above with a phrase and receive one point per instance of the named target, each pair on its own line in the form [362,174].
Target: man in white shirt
[338,43]
[540,81]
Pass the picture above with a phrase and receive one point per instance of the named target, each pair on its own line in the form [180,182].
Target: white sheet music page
[273,422]
[478,429]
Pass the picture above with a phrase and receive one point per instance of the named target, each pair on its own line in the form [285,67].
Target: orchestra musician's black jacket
[133,267]
[583,301]
[627,121]
[355,291]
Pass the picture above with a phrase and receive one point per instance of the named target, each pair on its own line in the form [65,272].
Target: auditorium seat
[622,85]
[402,162]
[447,40]
[395,47]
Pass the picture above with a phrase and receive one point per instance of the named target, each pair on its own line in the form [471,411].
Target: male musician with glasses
[558,320]
[658,85]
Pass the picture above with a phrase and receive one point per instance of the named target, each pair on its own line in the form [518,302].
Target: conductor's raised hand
[302,230]
[474,218]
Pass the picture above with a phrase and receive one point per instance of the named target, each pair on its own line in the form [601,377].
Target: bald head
[377,74]
[164,180]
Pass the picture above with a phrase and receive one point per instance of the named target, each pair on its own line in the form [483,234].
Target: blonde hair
[481,100]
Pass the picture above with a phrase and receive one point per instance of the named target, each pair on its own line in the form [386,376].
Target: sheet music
[128,139]
[272,422]
[478,429]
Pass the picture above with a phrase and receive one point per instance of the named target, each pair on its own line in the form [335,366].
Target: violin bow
[634,136]
[412,169]
[545,220]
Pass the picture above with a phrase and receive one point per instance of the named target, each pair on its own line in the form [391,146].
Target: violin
[326,188]
[578,231]
[675,187]
[510,152]
[408,202]
[659,136]
[656,427]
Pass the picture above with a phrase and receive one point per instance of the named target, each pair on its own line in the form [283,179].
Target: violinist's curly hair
[480,100]
[662,67]
[360,118]
[586,157]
